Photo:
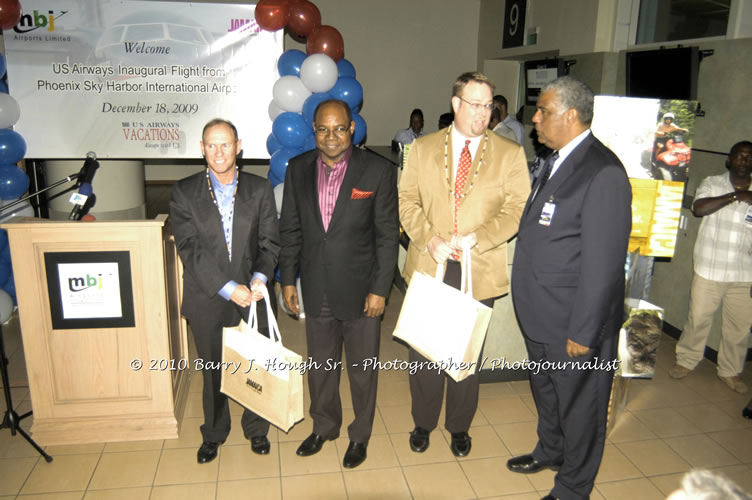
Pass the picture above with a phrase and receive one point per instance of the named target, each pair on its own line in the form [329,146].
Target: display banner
[138,79]
[652,138]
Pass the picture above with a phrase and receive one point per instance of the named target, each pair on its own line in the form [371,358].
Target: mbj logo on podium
[35,21]
[79,284]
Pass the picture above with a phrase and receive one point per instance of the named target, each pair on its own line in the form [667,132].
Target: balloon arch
[305,80]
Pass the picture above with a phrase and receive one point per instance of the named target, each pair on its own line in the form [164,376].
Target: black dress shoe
[461,443]
[260,445]
[312,445]
[526,464]
[207,452]
[549,497]
[419,439]
[355,455]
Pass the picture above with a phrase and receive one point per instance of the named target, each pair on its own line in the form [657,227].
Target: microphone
[85,191]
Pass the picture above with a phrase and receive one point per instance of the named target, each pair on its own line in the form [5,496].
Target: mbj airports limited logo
[36,21]
[79,283]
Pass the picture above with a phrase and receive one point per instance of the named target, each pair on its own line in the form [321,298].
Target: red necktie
[463,169]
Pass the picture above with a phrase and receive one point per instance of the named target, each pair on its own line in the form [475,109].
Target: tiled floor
[669,427]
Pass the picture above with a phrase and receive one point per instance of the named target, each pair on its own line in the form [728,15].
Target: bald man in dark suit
[226,232]
[568,288]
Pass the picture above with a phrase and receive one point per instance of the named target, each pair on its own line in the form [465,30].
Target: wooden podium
[105,345]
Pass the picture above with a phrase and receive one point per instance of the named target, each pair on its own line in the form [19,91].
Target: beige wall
[571,27]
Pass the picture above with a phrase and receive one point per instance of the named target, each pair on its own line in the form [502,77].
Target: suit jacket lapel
[443,161]
[355,170]
[241,216]
[205,204]
[311,190]
[567,168]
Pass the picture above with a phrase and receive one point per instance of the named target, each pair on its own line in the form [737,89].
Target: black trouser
[572,411]
[326,335]
[207,333]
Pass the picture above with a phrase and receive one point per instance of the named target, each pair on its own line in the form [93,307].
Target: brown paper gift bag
[445,325]
[269,381]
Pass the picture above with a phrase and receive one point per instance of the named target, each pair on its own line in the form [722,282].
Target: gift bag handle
[253,324]
[466,278]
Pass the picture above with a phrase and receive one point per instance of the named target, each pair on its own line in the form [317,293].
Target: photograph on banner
[653,139]
[138,79]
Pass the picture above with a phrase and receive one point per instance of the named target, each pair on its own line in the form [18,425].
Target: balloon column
[305,80]
[13,180]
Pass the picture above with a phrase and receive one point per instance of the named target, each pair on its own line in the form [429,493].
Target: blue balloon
[349,90]
[278,163]
[272,146]
[12,147]
[290,130]
[5,269]
[3,66]
[13,182]
[345,68]
[3,87]
[289,62]
[310,104]
[360,129]
[276,181]
[310,143]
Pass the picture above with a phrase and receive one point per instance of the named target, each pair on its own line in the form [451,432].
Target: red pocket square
[357,194]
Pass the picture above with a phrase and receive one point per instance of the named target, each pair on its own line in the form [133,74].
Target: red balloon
[304,18]
[326,40]
[10,13]
[272,15]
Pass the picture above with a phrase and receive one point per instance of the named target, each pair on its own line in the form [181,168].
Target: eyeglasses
[476,106]
[339,131]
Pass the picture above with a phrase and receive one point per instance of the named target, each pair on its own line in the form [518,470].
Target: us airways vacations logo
[36,20]
[81,283]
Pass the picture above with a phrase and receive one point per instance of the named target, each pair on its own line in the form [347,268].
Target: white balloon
[21,210]
[9,111]
[318,73]
[274,110]
[6,306]
[290,93]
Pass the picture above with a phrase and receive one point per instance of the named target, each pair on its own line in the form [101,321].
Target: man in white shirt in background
[415,130]
[723,271]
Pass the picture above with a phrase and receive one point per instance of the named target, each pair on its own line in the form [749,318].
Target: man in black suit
[340,230]
[225,227]
[568,288]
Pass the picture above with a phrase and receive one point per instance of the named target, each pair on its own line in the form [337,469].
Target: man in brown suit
[441,215]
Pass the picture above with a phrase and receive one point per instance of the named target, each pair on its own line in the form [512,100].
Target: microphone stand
[44,190]
[12,420]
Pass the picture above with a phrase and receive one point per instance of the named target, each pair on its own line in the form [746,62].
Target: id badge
[547,214]
[748,217]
